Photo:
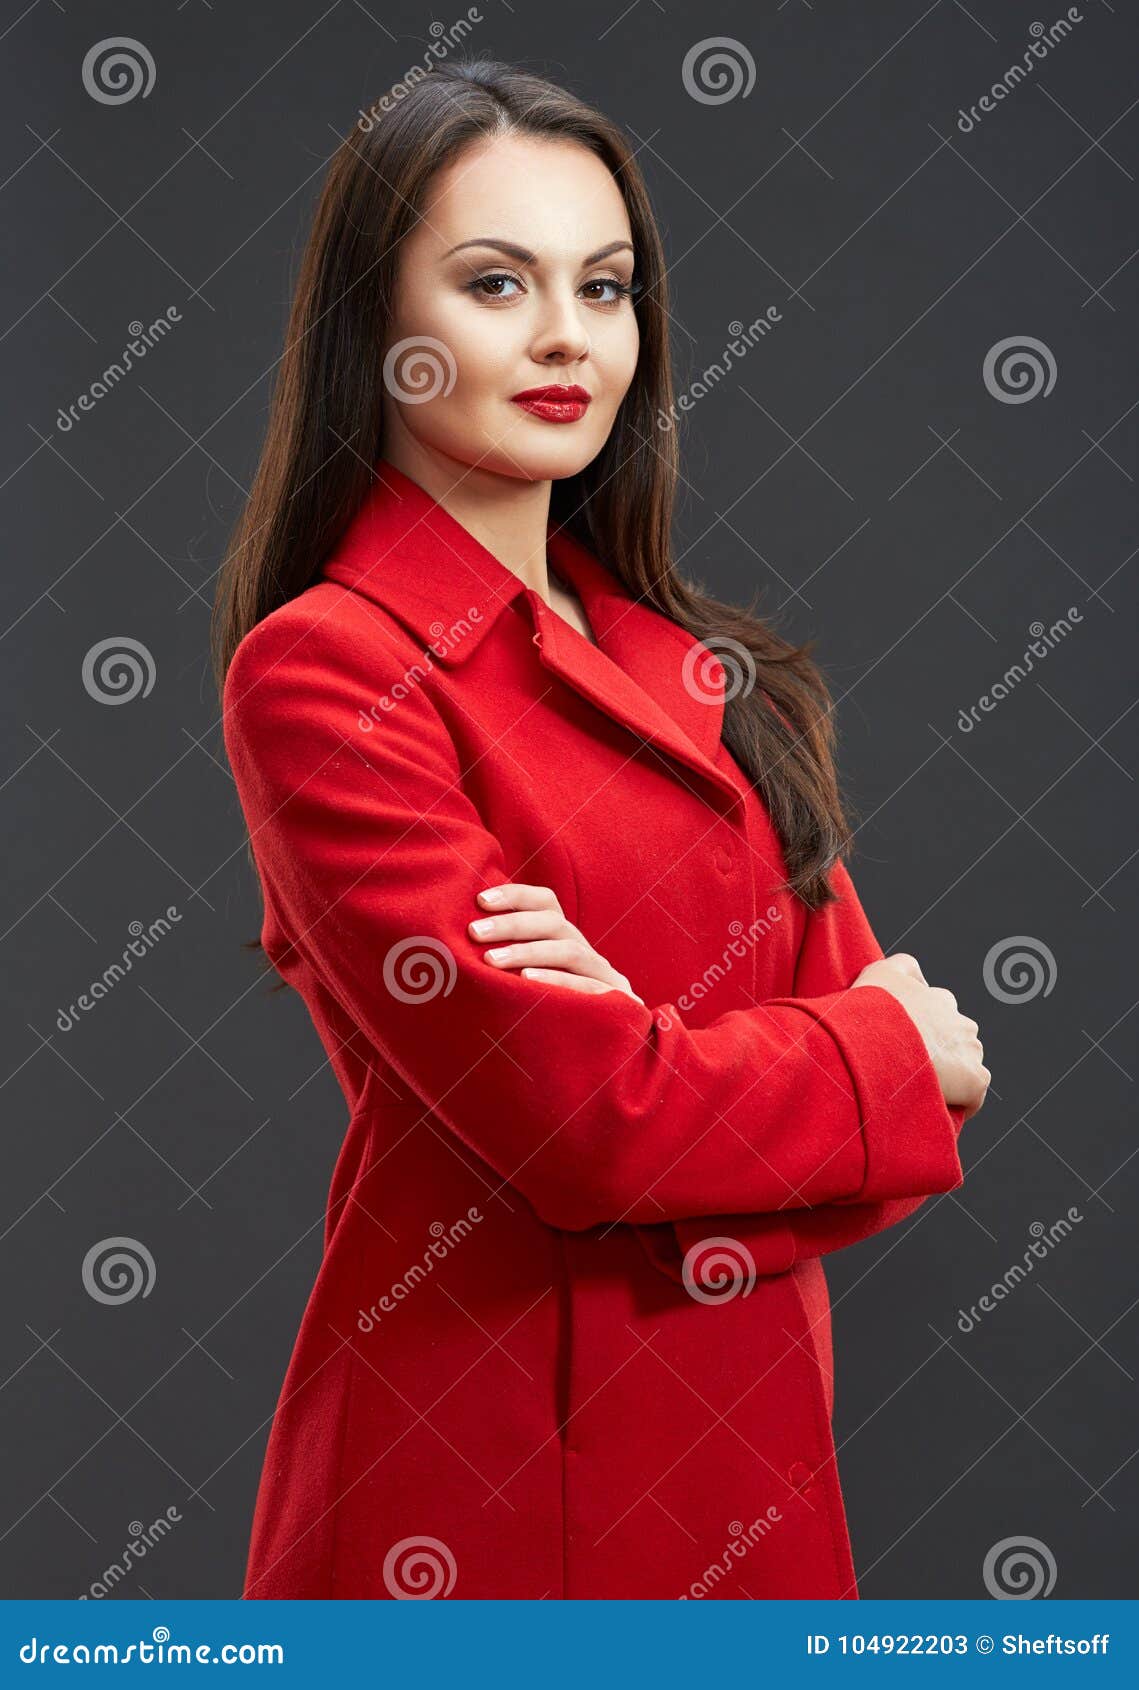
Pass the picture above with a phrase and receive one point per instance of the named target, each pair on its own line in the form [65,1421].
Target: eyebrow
[513,250]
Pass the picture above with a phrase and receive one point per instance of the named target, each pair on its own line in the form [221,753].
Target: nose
[562,336]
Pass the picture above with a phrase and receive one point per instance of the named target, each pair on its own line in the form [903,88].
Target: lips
[554,403]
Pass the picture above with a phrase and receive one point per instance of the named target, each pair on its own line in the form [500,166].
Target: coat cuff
[908,1133]
[910,1137]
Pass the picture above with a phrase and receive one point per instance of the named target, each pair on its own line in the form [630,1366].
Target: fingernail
[496,956]
[492,895]
[484,927]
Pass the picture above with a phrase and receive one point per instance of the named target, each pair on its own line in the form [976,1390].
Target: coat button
[799,1475]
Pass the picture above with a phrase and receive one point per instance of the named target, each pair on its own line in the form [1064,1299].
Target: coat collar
[406,552]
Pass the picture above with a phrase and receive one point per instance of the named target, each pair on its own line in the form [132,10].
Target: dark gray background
[854,466]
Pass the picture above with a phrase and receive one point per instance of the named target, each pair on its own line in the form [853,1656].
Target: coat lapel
[645,671]
[406,552]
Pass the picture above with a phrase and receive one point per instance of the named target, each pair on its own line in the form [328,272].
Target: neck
[506,514]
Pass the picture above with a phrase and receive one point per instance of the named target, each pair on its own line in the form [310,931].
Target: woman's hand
[546,946]
[950,1037]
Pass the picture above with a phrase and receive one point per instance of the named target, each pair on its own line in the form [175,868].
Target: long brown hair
[324,433]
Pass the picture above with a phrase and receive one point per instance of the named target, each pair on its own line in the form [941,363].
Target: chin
[516,446]
[562,452]
[548,465]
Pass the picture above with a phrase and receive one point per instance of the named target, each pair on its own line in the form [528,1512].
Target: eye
[621,290]
[493,284]
[487,285]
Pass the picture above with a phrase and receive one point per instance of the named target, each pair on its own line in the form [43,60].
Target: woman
[549,843]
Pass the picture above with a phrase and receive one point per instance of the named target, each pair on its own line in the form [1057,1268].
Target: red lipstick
[554,403]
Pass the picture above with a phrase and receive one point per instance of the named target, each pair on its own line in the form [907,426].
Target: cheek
[617,360]
[449,366]
[466,345]
[487,352]
[464,376]
[632,346]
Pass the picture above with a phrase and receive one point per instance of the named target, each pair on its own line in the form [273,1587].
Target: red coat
[505,1382]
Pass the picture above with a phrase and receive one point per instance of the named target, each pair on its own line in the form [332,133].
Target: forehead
[555,197]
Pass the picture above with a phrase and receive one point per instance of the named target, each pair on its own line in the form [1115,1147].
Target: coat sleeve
[837,944]
[595,1107]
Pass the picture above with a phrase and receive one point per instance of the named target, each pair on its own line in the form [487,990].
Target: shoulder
[326,653]
[327,633]
[325,624]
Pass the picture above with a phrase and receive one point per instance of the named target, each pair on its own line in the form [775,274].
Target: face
[515,278]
